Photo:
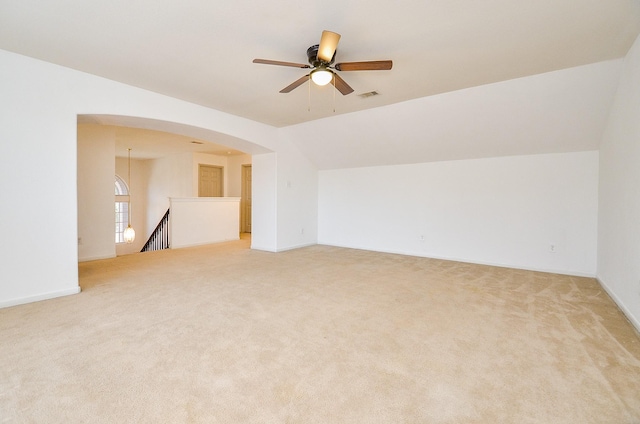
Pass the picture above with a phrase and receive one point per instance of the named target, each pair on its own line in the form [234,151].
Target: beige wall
[234,181]
[154,181]
[96,162]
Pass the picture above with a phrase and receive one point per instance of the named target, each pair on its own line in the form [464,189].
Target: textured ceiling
[202,51]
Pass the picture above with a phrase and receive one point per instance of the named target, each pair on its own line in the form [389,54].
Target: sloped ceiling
[555,112]
[202,51]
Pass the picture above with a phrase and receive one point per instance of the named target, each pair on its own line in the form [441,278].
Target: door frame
[245,218]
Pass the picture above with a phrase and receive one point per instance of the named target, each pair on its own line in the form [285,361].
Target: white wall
[40,103]
[96,164]
[619,206]
[291,179]
[177,176]
[264,191]
[297,193]
[38,175]
[501,211]
[204,220]
[170,176]
[39,106]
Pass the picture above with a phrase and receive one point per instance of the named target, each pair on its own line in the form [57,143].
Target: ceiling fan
[321,57]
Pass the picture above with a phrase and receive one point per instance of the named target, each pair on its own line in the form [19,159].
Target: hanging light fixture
[129,233]
[321,76]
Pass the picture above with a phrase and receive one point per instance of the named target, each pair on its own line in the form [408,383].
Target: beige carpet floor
[224,334]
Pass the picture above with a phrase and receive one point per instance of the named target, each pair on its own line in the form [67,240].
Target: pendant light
[129,233]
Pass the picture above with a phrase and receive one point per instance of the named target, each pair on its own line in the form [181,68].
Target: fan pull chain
[334,93]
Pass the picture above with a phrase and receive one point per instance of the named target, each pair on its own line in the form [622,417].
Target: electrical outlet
[302,231]
[422,237]
[79,240]
[553,248]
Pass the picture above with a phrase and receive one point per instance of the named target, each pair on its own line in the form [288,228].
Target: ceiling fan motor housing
[312,55]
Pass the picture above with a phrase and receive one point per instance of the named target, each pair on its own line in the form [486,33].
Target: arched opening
[163,166]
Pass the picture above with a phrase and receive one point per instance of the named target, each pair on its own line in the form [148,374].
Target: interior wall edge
[635,321]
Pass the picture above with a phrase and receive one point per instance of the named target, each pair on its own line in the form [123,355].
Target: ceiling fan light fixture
[321,76]
[321,57]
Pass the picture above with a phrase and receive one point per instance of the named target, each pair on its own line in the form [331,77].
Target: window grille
[122,208]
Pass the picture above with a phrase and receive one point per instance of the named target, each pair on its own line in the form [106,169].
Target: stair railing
[159,238]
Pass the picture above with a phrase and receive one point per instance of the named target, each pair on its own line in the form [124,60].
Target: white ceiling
[202,50]
[152,144]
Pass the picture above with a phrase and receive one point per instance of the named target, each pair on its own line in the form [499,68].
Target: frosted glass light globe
[321,76]
[129,234]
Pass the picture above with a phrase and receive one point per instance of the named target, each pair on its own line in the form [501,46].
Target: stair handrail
[159,238]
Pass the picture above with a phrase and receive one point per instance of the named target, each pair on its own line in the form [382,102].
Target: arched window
[122,208]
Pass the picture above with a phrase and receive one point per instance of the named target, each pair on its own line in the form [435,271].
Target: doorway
[210,180]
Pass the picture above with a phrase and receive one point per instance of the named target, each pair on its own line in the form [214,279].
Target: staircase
[159,238]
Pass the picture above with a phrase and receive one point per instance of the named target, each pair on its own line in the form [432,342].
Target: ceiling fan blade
[341,85]
[279,63]
[373,65]
[328,46]
[297,83]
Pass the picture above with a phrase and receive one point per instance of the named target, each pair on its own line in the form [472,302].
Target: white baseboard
[284,249]
[95,258]
[263,248]
[635,321]
[204,243]
[39,297]
[468,261]
[297,246]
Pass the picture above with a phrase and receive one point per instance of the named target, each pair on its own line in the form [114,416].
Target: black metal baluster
[159,238]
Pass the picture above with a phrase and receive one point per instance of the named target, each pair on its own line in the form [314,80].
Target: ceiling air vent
[369,94]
